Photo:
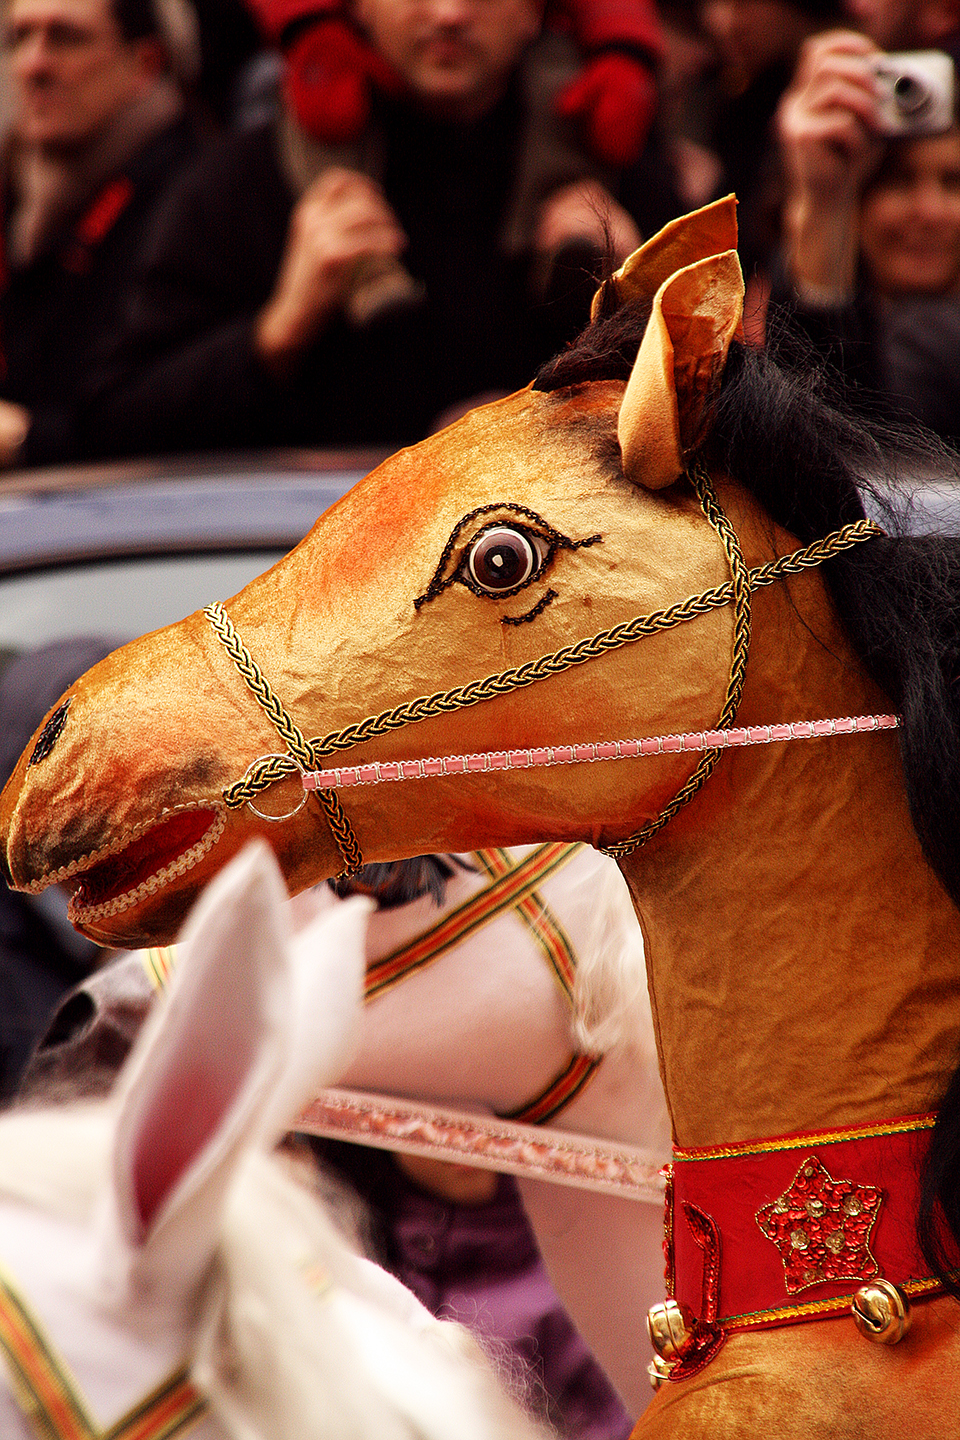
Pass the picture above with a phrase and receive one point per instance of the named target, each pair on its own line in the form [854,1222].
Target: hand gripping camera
[916,93]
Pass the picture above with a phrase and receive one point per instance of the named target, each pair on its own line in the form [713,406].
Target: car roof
[111,551]
[185,505]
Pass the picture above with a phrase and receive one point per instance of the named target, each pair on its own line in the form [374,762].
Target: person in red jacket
[331,68]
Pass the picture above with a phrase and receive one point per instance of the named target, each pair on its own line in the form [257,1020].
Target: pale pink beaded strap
[389,1122]
[695,740]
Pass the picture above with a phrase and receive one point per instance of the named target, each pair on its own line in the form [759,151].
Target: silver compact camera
[916,93]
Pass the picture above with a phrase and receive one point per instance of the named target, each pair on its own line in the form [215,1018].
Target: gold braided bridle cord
[307,754]
[299,748]
[738,663]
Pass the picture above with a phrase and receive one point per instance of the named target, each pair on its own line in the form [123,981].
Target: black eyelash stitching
[438,584]
[538,609]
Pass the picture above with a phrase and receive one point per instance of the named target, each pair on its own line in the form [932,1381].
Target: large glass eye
[502,558]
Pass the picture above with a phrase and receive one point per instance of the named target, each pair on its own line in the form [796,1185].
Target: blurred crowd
[236,224]
[244,224]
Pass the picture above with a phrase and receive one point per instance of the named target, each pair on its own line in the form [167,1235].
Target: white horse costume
[524,994]
[163,1274]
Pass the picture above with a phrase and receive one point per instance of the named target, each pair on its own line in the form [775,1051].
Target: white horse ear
[696,313]
[328,968]
[223,1063]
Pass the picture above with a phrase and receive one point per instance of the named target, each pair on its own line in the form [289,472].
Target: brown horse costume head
[383,589]
[630,548]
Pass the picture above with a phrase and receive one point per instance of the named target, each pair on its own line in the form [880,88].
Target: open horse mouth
[121,875]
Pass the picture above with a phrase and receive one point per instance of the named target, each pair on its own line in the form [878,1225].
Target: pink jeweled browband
[695,740]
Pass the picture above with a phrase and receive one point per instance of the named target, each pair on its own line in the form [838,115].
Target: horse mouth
[107,884]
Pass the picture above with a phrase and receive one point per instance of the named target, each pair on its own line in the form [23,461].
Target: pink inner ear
[181,1122]
[175,1132]
[202,1079]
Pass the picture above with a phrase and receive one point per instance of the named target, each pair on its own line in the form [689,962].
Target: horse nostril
[49,734]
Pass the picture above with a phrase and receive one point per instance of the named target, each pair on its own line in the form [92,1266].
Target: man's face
[456,55]
[71,70]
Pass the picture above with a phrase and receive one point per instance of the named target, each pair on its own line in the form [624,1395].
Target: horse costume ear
[250,1026]
[689,271]
[696,313]
[712,230]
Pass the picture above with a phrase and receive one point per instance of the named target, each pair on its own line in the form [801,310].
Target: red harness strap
[777,1231]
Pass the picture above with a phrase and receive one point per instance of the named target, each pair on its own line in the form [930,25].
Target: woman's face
[910,219]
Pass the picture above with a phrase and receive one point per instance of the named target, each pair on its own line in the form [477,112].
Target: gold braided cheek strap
[303,755]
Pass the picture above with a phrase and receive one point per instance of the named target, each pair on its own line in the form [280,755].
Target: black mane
[811,461]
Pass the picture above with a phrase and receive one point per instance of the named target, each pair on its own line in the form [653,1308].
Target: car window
[119,550]
[118,599]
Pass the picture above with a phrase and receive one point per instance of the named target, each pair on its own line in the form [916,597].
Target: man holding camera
[871,262]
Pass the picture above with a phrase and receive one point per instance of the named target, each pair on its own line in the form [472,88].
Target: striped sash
[512,885]
[52,1403]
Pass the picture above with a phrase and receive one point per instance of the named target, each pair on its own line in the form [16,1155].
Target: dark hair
[822,9]
[398,882]
[136,19]
[896,146]
[809,462]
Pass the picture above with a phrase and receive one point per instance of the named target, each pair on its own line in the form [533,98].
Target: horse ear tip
[652,472]
[702,233]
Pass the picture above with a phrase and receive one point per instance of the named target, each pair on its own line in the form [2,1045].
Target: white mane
[610,993]
[296,1334]
[354,1360]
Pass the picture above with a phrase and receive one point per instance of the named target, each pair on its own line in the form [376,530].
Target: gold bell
[658,1370]
[881,1312]
[670,1327]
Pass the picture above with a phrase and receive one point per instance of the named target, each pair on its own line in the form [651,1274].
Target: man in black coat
[98,131]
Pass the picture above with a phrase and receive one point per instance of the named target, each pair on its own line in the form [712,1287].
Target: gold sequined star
[822,1227]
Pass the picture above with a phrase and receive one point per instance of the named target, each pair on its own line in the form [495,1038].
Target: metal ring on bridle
[289,814]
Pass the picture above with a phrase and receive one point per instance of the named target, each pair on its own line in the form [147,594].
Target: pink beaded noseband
[481,761]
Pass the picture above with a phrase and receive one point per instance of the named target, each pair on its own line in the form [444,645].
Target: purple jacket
[480,1265]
